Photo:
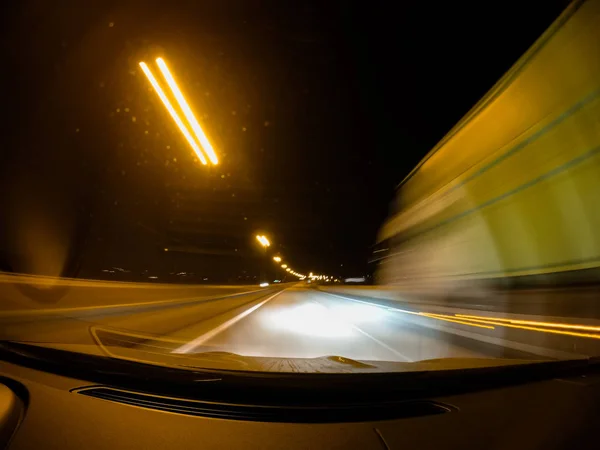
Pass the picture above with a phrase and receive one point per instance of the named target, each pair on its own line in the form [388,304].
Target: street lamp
[277,258]
[262,239]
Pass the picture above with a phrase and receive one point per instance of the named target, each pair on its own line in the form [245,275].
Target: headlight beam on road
[172,112]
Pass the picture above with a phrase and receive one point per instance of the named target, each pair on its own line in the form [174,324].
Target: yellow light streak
[535,323]
[187,111]
[543,330]
[172,112]
[463,322]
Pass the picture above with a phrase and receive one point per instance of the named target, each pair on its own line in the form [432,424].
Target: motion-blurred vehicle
[509,197]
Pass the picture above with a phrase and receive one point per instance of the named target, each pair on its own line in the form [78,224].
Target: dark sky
[317,109]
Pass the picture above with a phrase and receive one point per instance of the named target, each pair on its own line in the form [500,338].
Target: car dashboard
[58,409]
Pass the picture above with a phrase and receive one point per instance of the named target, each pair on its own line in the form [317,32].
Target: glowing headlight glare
[358,313]
[309,319]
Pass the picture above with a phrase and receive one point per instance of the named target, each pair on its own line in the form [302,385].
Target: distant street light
[284,266]
[263,240]
[276,258]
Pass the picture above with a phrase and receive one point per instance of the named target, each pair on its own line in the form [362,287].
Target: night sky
[318,109]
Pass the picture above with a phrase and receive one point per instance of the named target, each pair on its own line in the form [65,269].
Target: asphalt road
[303,322]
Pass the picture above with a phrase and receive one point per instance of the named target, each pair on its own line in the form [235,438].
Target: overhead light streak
[172,112]
[187,111]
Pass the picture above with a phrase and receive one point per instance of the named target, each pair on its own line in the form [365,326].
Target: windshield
[275,185]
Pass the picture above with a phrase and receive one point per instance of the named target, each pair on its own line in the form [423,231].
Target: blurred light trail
[449,319]
[534,323]
[187,111]
[543,330]
[490,322]
[172,112]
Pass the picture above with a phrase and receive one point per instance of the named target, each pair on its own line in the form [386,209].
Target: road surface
[304,322]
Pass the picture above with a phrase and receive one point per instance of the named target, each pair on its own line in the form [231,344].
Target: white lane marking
[186,348]
[36,312]
[383,344]
[372,304]
[355,300]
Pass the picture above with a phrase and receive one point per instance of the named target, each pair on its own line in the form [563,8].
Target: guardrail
[22,292]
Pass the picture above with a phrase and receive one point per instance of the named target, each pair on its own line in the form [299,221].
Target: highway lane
[299,322]
[306,323]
